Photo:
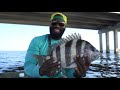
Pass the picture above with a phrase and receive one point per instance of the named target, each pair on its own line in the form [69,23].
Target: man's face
[57,29]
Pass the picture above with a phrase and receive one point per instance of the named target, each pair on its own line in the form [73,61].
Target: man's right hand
[50,67]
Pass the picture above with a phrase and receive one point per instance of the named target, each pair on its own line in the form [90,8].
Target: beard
[55,35]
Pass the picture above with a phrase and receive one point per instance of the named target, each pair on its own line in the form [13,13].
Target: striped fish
[68,48]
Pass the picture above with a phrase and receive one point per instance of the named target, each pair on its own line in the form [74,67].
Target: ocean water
[107,66]
[12,61]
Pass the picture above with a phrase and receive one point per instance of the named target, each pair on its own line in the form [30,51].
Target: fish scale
[68,48]
[71,46]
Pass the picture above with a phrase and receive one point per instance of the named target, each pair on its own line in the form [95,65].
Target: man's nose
[57,25]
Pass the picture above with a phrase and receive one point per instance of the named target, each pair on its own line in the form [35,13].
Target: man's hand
[50,67]
[83,64]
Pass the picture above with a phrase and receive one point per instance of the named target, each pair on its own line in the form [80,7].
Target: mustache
[56,28]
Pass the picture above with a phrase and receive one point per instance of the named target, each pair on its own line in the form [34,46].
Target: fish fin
[64,40]
[69,38]
[73,36]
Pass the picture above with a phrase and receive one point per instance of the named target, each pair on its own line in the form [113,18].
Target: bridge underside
[83,20]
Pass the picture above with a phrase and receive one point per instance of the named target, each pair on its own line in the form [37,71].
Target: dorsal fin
[71,37]
[65,40]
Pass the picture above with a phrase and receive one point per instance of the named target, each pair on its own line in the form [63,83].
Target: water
[107,66]
[12,61]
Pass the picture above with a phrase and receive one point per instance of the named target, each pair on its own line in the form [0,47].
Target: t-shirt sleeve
[30,66]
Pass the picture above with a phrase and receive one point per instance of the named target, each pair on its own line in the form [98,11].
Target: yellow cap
[63,16]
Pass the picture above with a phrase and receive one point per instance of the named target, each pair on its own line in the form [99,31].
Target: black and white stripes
[68,48]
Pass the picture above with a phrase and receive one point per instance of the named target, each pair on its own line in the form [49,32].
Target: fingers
[87,61]
[81,67]
[87,57]
[54,66]
[53,72]
[53,63]
[81,63]
[49,61]
[51,66]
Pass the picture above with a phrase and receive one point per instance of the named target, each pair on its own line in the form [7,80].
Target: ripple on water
[105,67]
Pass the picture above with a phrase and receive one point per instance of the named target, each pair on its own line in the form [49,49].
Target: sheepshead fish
[68,48]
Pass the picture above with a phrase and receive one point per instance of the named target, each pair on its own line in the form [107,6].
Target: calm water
[11,61]
[108,65]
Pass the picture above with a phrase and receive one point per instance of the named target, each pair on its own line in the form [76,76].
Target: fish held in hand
[70,47]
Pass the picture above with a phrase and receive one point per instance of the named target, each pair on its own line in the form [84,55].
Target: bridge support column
[101,45]
[115,41]
[107,43]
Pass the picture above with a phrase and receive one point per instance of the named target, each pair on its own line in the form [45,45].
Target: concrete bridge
[102,21]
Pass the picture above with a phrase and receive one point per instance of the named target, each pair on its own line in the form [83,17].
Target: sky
[16,37]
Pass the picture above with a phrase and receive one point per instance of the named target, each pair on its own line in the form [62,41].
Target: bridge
[101,21]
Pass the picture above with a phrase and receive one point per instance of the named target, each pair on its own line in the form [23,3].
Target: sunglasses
[59,23]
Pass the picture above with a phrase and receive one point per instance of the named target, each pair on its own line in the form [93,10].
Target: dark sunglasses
[60,24]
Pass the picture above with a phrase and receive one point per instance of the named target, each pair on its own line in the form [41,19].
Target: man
[40,45]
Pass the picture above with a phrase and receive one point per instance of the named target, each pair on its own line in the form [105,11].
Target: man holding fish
[41,63]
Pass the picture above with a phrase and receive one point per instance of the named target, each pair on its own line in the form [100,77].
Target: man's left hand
[83,64]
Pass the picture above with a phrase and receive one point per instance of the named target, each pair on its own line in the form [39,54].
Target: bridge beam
[110,28]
